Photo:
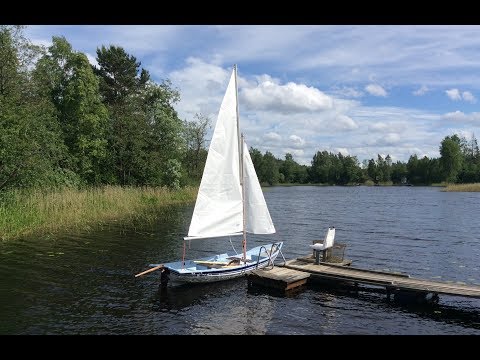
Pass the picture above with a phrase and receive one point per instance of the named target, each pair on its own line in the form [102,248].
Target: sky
[359,90]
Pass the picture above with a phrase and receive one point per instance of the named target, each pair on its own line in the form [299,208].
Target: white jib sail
[218,210]
[258,216]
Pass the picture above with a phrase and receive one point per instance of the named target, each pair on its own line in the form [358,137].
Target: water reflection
[215,310]
[179,297]
[467,318]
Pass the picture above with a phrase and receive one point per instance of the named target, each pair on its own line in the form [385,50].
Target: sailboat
[229,203]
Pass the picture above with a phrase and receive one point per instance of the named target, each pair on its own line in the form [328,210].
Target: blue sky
[359,90]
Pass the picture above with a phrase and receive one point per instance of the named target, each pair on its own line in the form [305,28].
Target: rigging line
[233,247]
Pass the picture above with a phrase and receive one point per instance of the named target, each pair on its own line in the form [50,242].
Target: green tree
[300,174]
[166,145]
[194,134]
[119,73]
[372,171]
[451,157]
[399,172]
[271,169]
[68,79]
[350,170]
[473,150]
[17,55]
[85,120]
[9,63]
[31,148]
[320,167]
[383,168]
[287,168]
[258,164]
[145,131]
[387,171]
[413,176]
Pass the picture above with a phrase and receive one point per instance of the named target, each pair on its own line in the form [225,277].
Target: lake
[83,283]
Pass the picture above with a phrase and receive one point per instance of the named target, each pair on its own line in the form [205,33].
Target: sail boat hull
[222,266]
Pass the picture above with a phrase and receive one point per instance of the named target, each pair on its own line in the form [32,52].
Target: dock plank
[390,280]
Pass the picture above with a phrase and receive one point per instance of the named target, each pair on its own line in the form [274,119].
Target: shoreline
[473,187]
[40,213]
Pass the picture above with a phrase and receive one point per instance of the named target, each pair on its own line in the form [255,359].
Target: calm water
[84,283]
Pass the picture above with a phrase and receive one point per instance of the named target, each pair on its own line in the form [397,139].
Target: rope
[233,247]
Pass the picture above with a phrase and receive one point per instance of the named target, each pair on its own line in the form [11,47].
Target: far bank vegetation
[463,187]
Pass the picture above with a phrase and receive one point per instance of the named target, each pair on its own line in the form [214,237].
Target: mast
[242,181]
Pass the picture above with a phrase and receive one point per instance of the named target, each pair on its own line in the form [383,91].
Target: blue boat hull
[216,268]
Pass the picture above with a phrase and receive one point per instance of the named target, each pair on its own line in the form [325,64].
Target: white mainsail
[219,208]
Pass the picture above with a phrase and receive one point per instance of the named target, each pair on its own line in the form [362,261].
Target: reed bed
[463,187]
[24,213]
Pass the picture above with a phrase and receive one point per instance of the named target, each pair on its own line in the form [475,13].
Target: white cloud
[456,95]
[375,90]
[202,86]
[273,137]
[395,124]
[345,122]
[455,116]
[421,91]
[343,151]
[297,155]
[92,60]
[453,94]
[459,116]
[379,127]
[288,98]
[297,141]
[392,139]
[464,133]
[348,92]
[468,96]
[42,42]
[400,132]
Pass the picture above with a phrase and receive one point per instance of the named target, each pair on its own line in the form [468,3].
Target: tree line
[459,162]
[65,122]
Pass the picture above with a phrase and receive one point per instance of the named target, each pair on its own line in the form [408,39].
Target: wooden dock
[280,278]
[392,282]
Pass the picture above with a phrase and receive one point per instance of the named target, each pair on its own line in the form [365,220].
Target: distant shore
[463,187]
[35,212]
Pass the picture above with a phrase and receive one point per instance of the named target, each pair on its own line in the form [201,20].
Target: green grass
[37,212]
[463,187]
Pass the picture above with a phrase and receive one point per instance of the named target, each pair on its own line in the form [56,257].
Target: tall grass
[42,212]
[463,187]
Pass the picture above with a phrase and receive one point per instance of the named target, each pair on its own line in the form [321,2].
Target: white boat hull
[193,272]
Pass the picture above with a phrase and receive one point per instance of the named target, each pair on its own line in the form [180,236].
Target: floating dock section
[280,278]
